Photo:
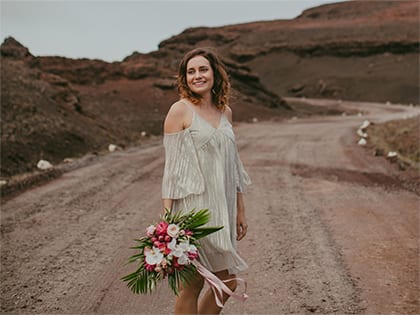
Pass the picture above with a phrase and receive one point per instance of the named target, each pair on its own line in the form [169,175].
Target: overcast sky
[112,30]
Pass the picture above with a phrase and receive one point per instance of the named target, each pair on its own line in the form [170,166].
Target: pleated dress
[203,171]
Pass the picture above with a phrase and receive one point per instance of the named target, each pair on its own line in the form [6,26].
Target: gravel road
[332,231]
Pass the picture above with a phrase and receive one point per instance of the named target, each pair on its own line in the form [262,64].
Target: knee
[193,287]
[198,283]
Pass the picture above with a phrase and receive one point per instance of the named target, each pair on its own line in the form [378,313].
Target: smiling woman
[196,78]
[203,171]
[199,75]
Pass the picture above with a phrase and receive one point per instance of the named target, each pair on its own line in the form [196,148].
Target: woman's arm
[241,225]
[176,120]
[167,203]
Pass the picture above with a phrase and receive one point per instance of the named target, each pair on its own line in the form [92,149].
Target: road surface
[331,230]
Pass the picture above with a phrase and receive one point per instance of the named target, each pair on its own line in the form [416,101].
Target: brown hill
[55,107]
[355,50]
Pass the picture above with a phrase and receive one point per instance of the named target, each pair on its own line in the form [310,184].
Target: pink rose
[158,269]
[161,228]
[162,247]
[192,255]
[150,230]
[176,265]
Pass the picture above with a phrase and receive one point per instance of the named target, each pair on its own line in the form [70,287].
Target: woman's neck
[206,101]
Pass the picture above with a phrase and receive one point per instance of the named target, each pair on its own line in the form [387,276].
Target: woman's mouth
[199,83]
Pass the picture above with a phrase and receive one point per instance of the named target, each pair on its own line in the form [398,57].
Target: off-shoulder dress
[203,171]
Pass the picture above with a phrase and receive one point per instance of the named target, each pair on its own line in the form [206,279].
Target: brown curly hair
[221,86]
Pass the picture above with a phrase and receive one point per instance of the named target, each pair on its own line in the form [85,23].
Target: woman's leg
[208,303]
[187,300]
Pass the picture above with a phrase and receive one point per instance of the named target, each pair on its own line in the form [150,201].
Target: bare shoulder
[177,117]
[228,113]
[178,107]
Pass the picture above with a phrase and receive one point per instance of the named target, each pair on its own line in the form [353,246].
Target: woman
[203,170]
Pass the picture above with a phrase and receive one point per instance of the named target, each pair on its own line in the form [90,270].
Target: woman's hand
[241,225]
[167,204]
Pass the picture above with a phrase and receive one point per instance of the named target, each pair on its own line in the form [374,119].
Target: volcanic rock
[11,48]
[56,107]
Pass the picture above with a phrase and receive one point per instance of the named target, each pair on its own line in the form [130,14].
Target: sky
[113,30]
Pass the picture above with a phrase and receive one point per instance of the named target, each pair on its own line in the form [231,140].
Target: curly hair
[221,87]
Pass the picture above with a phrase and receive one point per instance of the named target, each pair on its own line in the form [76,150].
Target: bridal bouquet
[169,250]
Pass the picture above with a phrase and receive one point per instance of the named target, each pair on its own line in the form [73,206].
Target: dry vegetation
[401,136]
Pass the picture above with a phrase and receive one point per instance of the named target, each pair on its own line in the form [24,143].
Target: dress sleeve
[242,179]
[182,175]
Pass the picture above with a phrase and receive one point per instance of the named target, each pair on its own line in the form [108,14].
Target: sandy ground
[331,231]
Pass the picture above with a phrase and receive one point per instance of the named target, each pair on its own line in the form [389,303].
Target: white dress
[203,171]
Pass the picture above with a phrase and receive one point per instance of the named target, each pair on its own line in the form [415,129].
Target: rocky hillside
[55,107]
[354,50]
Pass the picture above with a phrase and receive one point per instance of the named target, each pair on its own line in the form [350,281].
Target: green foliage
[143,281]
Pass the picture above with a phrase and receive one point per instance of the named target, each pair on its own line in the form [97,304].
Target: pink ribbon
[218,286]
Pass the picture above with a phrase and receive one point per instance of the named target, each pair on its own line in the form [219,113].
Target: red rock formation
[56,107]
[357,50]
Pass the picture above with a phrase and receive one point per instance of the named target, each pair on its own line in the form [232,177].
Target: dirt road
[331,230]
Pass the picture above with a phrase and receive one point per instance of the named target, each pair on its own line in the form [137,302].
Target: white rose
[173,230]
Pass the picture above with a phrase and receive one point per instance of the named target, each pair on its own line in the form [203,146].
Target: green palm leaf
[142,281]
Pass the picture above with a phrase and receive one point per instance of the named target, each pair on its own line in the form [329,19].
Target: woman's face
[200,77]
